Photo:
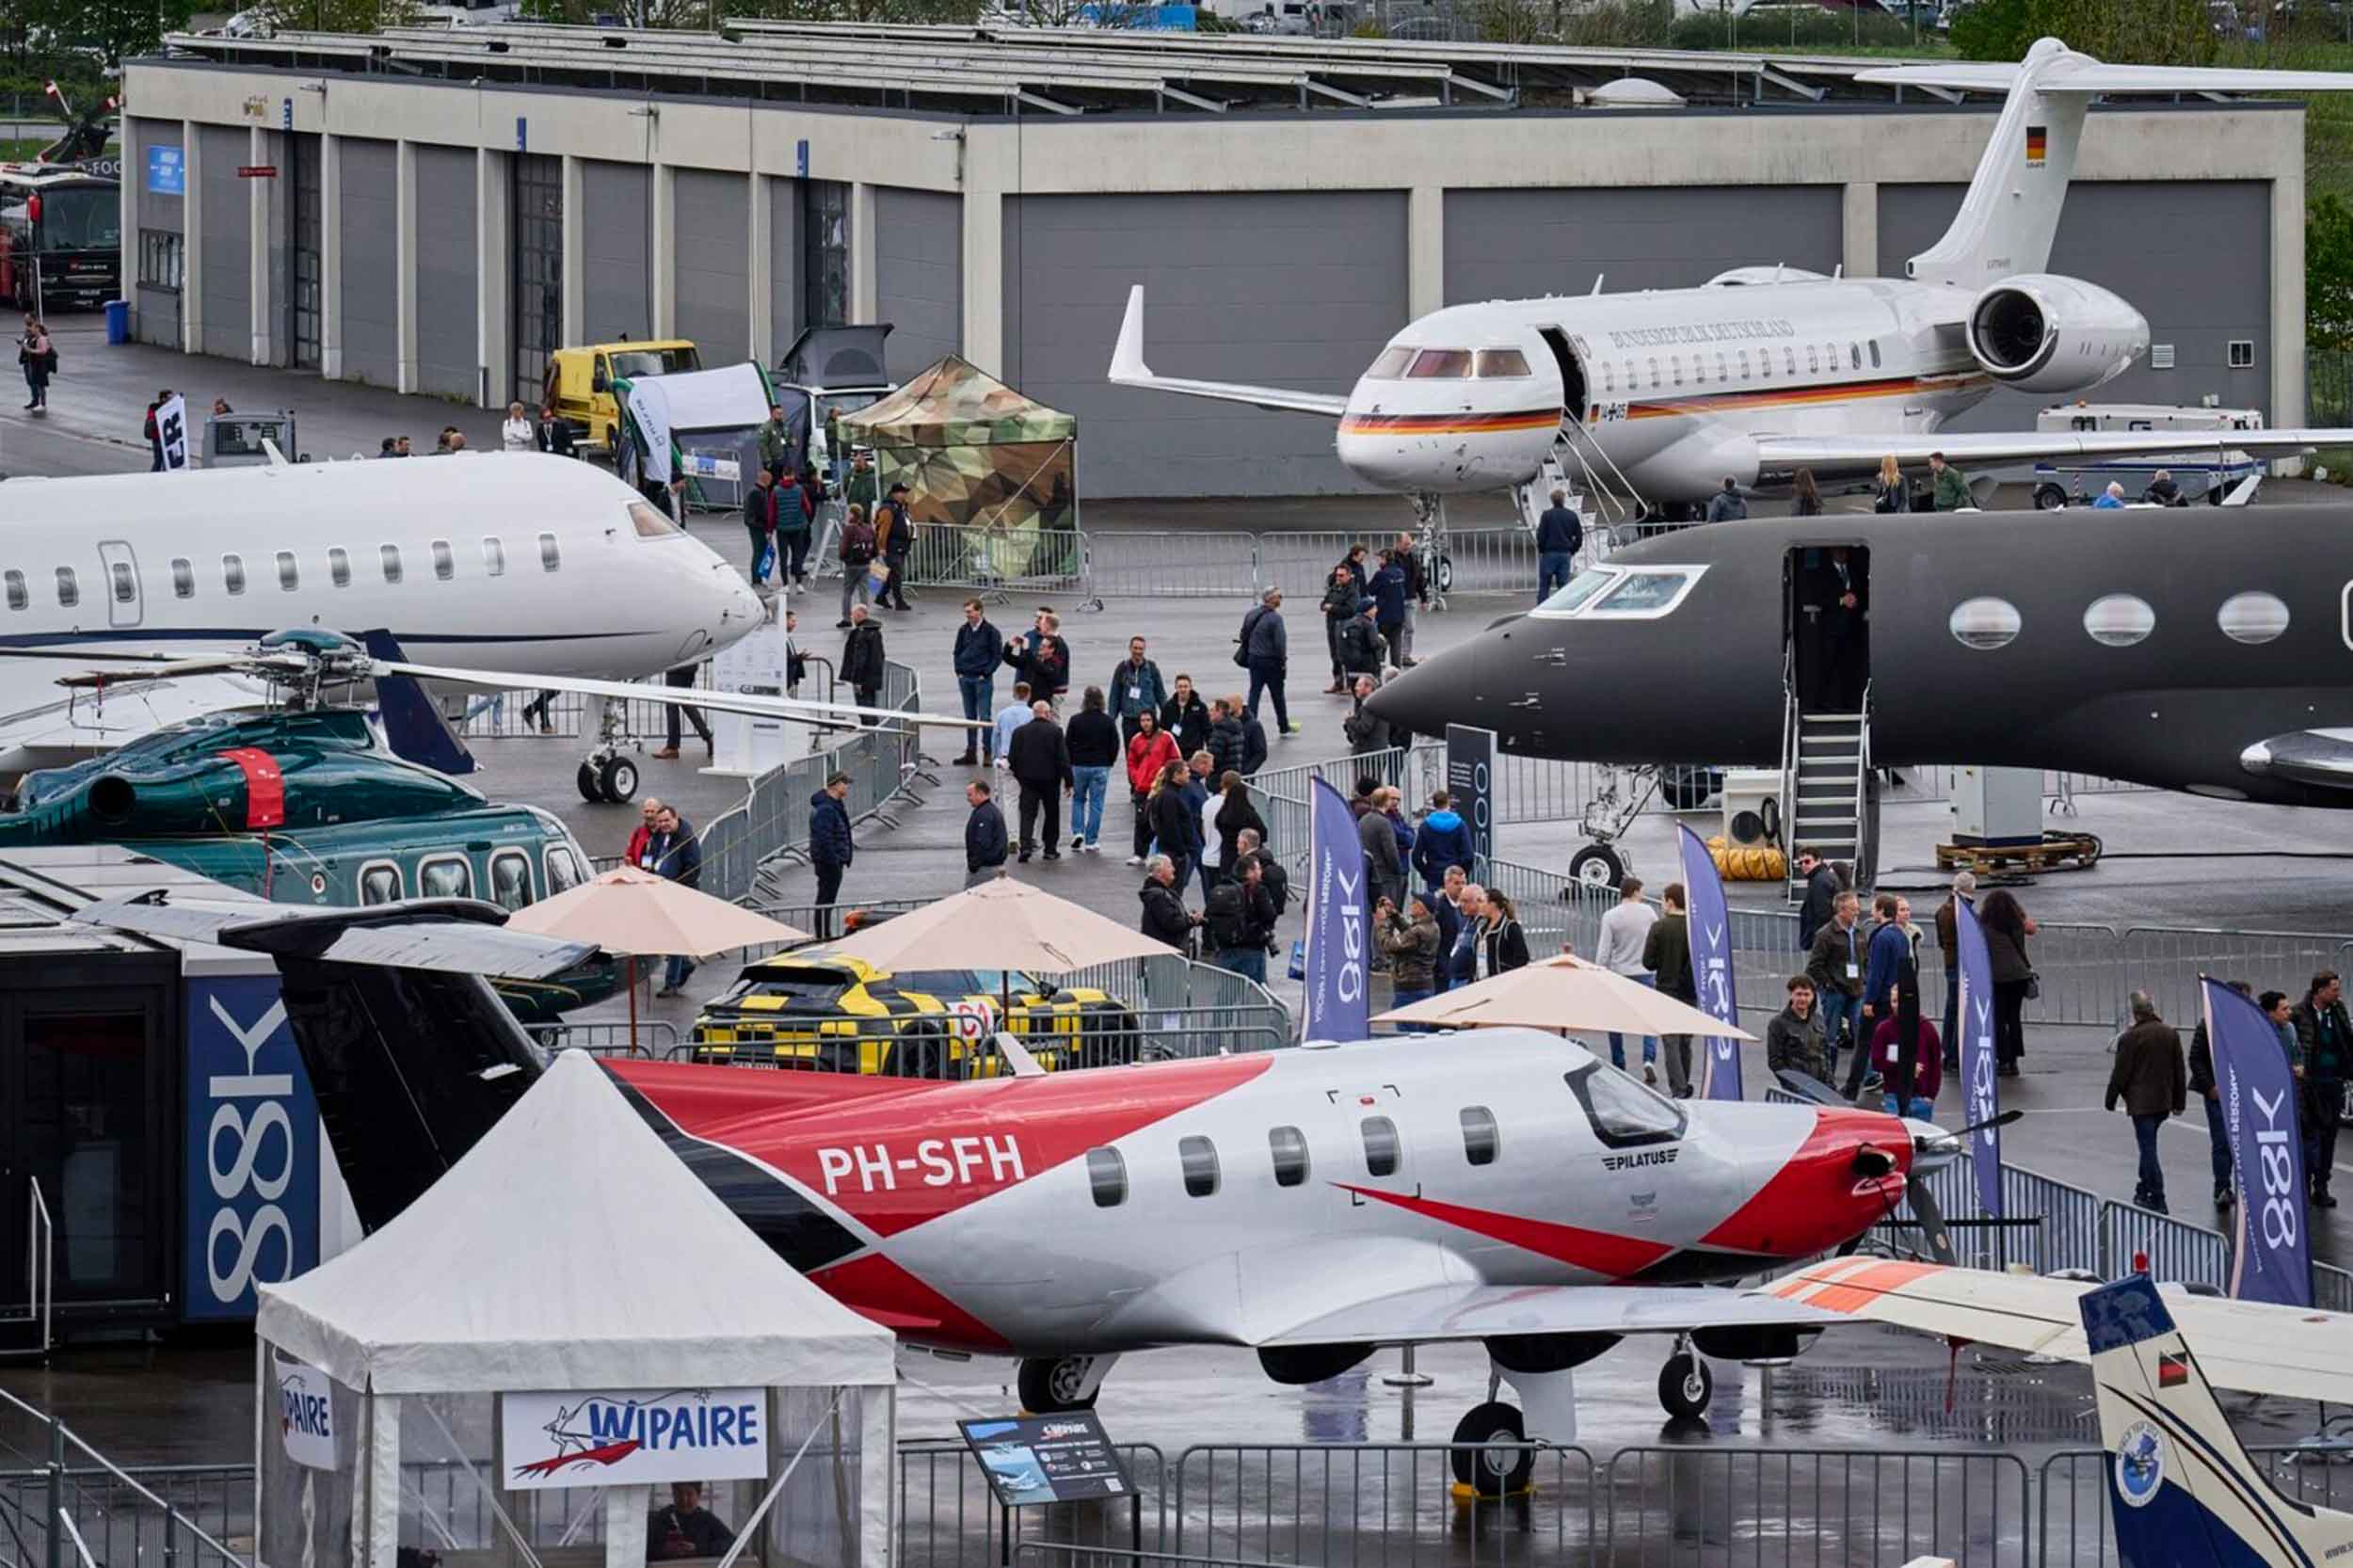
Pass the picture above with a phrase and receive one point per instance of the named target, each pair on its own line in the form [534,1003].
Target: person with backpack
[39,356]
[1263,648]
[796,510]
[1238,922]
[1150,750]
[856,554]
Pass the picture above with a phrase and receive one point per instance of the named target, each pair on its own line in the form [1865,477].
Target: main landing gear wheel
[1686,1385]
[1050,1387]
[1442,574]
[1598,866]
[617,780]
[1490,1454]
[591,788]
[2049,498]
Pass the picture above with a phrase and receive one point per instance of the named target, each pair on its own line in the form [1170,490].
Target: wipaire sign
[628,1438]
[306,1414]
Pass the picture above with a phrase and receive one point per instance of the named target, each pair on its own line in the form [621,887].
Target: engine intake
[2041,332]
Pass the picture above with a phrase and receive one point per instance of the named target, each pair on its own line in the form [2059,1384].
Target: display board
[1064,1458]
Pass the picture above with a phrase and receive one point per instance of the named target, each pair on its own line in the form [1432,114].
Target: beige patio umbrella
[1565,995]
[1001,925]
[629,911]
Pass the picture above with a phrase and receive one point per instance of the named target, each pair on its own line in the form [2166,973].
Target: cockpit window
[1441,365]
[650,524]
[1623,1114]
[1577,591]
[1391,365]
[1498,363]
[1646,593]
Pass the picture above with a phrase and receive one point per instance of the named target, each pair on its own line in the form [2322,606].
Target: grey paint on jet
[1284,288]
[714,267]
[447,336]
[2151,244]
[1524,244]
[370,294]
[918,276]
[227,238]
[2176,708]
[616,230]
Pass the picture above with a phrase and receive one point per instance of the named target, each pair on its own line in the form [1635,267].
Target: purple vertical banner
[1337,961]
[2271,1255]
[1981,1093]
[1711,968]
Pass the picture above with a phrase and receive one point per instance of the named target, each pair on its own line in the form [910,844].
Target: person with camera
[1238,922]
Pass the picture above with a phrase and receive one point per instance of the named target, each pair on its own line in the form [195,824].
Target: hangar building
[447,206]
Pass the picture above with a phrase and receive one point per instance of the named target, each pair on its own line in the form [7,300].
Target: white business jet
[518,562]
[1658,397]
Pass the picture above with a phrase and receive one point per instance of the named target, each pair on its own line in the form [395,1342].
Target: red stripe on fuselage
[1611,1257]
[879,1290]
[1816,1200]
[264,786]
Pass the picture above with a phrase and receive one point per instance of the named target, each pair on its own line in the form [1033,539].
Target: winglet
[1127,366]
[1018,1058]
[2244,492]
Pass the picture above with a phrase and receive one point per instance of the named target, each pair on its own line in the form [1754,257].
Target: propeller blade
[2003,1120]
[1931,1217]
[837,715]
[1809,1088]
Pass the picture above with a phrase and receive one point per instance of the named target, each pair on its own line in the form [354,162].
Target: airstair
[1829,805]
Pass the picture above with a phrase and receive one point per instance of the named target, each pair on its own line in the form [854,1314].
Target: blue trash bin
[118,321]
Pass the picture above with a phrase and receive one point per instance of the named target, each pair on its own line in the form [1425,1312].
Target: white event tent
[450,1385]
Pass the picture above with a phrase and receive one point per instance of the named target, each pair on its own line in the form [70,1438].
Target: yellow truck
[579,381]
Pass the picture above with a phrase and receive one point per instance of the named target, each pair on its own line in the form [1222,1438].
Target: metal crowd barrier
[2072,1512]
[653,1037]
[1187,566]
[952,1047]
[948,1518]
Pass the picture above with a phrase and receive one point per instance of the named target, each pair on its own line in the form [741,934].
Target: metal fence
[961,1044]
[649,1037]
[948,1518]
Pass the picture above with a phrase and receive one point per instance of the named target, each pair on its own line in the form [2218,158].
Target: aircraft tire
[1598,866]
[2049,498]
[1483,1455]
[591,783]
[1045,1383]
[1442,574]
[1684,1387]
[617,780]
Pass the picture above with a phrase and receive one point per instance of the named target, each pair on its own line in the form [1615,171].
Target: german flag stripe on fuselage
[1450,423]
[1843,392]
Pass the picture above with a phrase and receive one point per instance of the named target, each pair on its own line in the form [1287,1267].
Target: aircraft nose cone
[1431,694]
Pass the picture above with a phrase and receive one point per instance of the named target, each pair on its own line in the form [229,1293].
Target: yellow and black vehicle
[813,1009]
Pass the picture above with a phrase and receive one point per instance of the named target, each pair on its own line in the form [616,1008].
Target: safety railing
[961,1043]
[970,555]
[80,1504]
[649,1037]
[948,1518]
[1151,565]
[39,1273]
[2072,1515]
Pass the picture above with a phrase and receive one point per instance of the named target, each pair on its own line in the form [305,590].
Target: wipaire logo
[599,1431]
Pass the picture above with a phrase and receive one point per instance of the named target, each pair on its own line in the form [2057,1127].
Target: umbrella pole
[631,961]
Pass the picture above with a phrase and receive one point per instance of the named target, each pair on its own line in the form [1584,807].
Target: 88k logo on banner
[250,1182]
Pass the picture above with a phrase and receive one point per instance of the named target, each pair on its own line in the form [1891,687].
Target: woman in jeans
[1093,738]
[2007,929]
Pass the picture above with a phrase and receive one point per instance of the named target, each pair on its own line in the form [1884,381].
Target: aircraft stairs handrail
[1792,729]
[61,1502]
[1866,820]
[1631,505]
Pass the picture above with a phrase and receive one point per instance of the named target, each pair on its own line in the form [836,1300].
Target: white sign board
[651,405]
[629,1439]
[745,746]
[306,1414]
[172,431]
[702,465]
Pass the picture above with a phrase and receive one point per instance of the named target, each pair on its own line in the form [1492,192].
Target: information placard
[1047,1459]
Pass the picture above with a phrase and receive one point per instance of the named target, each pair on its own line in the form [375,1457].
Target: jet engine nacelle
[2041,332]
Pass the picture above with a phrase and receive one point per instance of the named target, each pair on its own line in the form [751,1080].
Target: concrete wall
[224,268]
[1292,289]
[448,349]
[156,312]
[784,266]
[918,276]
[615,230]
[371,258]
[713,263]
[2155,244]
[1514,243]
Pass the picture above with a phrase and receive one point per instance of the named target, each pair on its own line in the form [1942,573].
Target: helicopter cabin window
[563,869]
[1107,1178]
[444,562]
[126,582]
[493,556]
[289,575]
[550,558]
[1381,1147]
[339,566]
[1622,1111]
[510,879]
[1502,365]
[233,573]
[1830,358]
[1744,364]
[389,556]
[68,589]
[1480,1136]
[1390,366]
[379,882]
[1440,364]
[1288,1146]
[1200,1158]
[651,522]
[1699,368]
[449,876]
[18,597]
[1875,354]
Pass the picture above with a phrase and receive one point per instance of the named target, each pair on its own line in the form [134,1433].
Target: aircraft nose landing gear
[1049,1384]
[608,774]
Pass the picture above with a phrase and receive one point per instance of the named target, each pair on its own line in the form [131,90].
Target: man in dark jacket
[2202,1083]
[1385,869]
[1388,606]
[1560,534]
[1271,875]
[1447,908]
[1042,657]
[1884,976]
[1225,743]
[1252,735]
[1408,557]
[863,658]
[1040,759]
[2325,1039]
[1186,718]
[1948,943]
[2151,1081]
[1266,651]
[1667,954]
[1343,598]
[673,851]
[1136,688]
[1445,840]
[1238,921]
[1409,939]
[796,508]
[1367,731]
[984,835]
[1361,648]
[894,534]
[1822,887]
[830,849]
[1833,960]
[776,442]
[760,523]
[979,647]
[1165,916]
[1793,1038]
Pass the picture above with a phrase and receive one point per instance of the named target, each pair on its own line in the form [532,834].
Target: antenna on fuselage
[1597,277]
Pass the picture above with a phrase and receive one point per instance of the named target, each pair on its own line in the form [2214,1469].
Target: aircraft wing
[41,726]
[1441,1312]
[2255,1347]
[1858,456]
[448,935]
[1129,370]
[2085,75]
[2322,758]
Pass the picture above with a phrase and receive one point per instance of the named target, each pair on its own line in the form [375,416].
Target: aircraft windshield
[1391,364]
[1622,1111]
[1577,591]
[1501,363]
[650,524]
[1440,364]
[1646,593]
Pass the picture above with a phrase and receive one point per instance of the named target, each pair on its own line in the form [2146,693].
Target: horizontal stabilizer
[1858,456]
[2318,756]
[1129,370]
[450,936]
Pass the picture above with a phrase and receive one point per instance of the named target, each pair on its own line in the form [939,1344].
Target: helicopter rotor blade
[66,655]
[838,715]
[266,665]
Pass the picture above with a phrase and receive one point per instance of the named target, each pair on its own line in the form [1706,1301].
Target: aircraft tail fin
[2181,1488]
[413,727]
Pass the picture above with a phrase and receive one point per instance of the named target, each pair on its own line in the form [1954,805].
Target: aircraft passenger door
[1829,625]
[1370,1148]
[126,601]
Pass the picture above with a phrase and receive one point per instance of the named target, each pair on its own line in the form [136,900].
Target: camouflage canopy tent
[998,468]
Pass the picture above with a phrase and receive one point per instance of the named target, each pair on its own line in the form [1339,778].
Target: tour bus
[61,235]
